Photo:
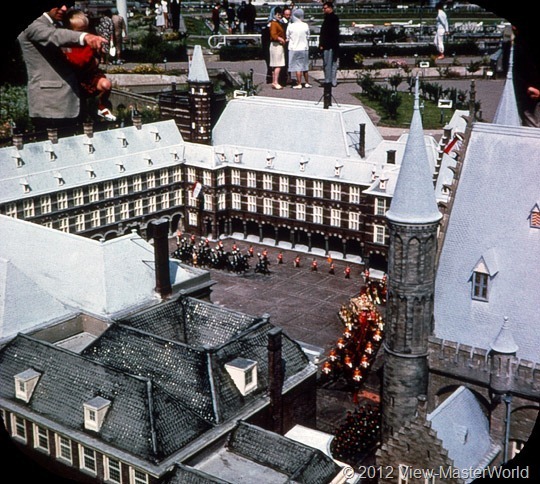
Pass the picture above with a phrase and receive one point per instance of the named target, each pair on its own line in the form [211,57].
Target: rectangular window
[62,201]
[124,211]
[379,234]
[236,201]
[165,203]
[251,179]
[192,219]
[93,193]
[137,183]
[176,174]
[191,200]
[78,197]
[284,184]
[317,215]
[207,178]
[284,208]
[480,286]
[112,471]
[335,191]
[164,177]
[267,182]
[63,224]
[235,177]
[222,201]
[151,180]
[252,203]
[63,448]
[354,195]
[110,216]
[191,175]
[354,221]
[108,189]
[301,211]
[268,206]
[139,477]
[300,186]
[123,187]
[80,223]
[208,201]
[138,207]
[28,207]
[19,427]
[380,206]
[95,218]
[335,217]
[11,208]
[88,459]
[221,178]
[152,204]
[317,189]
[178,196]
[41,438]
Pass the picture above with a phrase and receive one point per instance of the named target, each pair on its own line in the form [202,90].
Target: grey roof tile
[197,69]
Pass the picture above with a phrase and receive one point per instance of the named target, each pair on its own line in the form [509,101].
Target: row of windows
[64,451]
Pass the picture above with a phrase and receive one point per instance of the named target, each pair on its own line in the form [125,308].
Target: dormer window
[90,145]
[18,158]
[221,156]
[26,185]
[174,154]
[25,384]
[480,285]
[373,175]
[238,156]
[94,413]
[382,183]
[148,160]
[303,163]
[50,150]
[121,166]
[155,132]
[90,171]
[244,374]
[59,178]
[270,160]
[482,275]
[534,218]
[337,169]
[123,140]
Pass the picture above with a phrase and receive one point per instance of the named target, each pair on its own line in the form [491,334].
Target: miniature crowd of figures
[355,351]
[357,435]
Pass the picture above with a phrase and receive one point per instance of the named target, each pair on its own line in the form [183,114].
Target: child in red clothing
[86,62]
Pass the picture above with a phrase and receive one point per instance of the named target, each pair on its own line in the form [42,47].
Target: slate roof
[507,111]
[191,321]
[195,375]
[463,429]
[74,164]
[144,419]
[490,222]
[188,475]
[298,461]
[197,68]
[414,196]
[296,126]
[80,273]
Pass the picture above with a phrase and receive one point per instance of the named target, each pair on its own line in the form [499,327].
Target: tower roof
[197,68]
[507,111]
[414,197]
[504,342]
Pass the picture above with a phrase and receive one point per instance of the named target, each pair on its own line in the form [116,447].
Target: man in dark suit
[53,89]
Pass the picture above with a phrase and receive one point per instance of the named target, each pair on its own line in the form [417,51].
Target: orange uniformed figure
[347,272]
[297,261]
[314,265]
[332,269]
[280,257]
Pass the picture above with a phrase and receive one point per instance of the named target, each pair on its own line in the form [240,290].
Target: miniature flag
[197,187]
[454,145]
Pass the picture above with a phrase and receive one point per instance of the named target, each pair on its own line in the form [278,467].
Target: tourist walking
[441,29]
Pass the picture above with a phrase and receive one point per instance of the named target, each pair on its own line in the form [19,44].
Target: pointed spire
[414,197]
[507,111]
[504,342]
[197,68]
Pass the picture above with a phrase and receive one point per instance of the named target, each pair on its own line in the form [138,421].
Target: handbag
[112,49]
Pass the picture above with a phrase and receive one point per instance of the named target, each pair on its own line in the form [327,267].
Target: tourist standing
[298,44]
[441,29]
[277,49]
[329,44]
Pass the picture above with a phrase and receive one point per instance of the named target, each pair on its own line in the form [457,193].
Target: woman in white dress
[298,42]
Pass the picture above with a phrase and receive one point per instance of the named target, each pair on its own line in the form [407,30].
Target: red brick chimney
[275,379]
[161,256]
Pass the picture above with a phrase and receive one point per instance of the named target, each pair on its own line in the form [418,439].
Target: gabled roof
[490,215]
[195,375]
[116,154]
[144,419]
[16,313]
[82,273]
[414,196]
[296,126]
[463,429]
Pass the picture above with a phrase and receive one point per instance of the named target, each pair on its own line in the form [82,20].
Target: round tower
[413,220]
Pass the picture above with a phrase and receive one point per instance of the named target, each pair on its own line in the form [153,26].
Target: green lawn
[431,114]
